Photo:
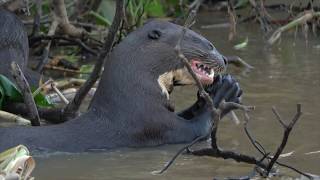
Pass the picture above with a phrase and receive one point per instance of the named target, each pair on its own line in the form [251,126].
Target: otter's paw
[225,87]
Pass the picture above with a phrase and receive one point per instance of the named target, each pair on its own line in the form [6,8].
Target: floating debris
[16,163]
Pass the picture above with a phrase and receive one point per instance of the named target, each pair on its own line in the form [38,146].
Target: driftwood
[27,95]
[296,22]
[14,118]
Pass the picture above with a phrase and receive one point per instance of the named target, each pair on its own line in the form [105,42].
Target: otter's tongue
[204,73]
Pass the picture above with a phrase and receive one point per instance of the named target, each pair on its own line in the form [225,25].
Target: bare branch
[276,113]
[73,107]
[168,164]
[225,154]
[284,139]
[237,61]
[26,92]
[61,96]
[60,14]
[65,38]
[296,22]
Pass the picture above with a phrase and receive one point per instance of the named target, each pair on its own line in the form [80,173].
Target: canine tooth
[211,75]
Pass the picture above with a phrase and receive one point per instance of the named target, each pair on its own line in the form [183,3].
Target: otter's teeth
[211,75]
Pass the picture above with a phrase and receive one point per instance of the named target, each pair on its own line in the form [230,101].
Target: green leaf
[155,9]
[9,92]
[242,45]
[86,70]
[100,19]
[41,100]
[107,10]
[1,97]
[71,58]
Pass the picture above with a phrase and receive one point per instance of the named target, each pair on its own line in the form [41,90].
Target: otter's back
[13,42]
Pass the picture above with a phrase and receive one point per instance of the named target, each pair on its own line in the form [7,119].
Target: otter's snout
[218,61]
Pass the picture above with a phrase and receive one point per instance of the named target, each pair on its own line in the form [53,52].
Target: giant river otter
[131,107]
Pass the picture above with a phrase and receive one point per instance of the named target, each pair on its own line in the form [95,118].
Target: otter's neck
[132,80]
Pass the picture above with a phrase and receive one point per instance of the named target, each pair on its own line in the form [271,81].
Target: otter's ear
[154,34]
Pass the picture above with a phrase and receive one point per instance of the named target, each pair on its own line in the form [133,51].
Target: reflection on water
[284,75]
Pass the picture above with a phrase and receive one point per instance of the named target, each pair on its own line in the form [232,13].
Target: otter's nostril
[225,60]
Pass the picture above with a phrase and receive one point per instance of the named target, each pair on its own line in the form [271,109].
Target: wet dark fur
[129,109]
[14,46]
[14,42]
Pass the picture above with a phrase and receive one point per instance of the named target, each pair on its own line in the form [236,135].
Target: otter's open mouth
[204,73]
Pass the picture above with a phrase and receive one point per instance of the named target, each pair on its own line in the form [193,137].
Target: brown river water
[284,75]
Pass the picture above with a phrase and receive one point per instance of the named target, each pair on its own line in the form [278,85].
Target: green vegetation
[10,93]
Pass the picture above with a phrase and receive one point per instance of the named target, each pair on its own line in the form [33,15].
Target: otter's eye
[211,47]
[154,34]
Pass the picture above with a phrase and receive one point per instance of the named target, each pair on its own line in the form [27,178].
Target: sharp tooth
[211,75]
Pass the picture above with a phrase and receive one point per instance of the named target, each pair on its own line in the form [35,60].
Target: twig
[233,21]
[195,5]
[298,21]
[168,164]
[184,60]
[61,96]
[60,14]
[261,149]
[71,82]
[37,15]
[56,68]
[287,130]
[73,107]
[69,39]
[294,169]
[237,61]
[27,95]
[255,143]
[262,17]
[45,54]
[275,112]
[225,154]
[37,91]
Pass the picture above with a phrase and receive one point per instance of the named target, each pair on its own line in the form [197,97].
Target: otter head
[202,56]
